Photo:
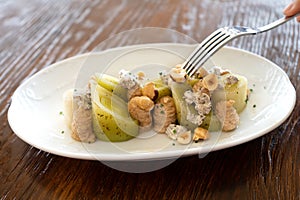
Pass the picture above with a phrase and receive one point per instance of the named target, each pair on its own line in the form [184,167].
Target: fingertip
[287,9]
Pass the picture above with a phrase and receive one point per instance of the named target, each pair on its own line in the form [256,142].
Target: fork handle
[276,23]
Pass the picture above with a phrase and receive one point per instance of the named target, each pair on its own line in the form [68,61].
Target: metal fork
[219,38]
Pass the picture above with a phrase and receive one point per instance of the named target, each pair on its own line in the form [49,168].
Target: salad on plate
[186,109]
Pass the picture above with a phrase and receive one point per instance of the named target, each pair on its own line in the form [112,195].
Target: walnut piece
[140,109]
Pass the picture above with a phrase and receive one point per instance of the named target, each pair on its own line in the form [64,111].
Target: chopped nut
[230,80]
[184,138]
[224,72]
[201,73]
[210,82]
[140,109]
[200,134]
[173,130]
[198,86]
[219,71]
[150,91]
[140,75]
[178,74]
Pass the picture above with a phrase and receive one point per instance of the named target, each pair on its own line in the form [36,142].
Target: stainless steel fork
[219,38]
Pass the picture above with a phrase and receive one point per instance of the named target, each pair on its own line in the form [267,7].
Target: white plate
[36,104]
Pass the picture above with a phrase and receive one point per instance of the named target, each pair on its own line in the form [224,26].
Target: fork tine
[203,49]
[192,57]
[191,64]
[208,51]
[188,63]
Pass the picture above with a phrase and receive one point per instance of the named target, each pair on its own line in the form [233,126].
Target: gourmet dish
[183,108]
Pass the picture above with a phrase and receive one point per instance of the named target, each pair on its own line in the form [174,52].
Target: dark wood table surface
[34,34]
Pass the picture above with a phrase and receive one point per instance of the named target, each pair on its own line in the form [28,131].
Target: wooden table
[35,34]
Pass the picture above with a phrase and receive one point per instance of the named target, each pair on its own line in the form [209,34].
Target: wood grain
[36,34]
